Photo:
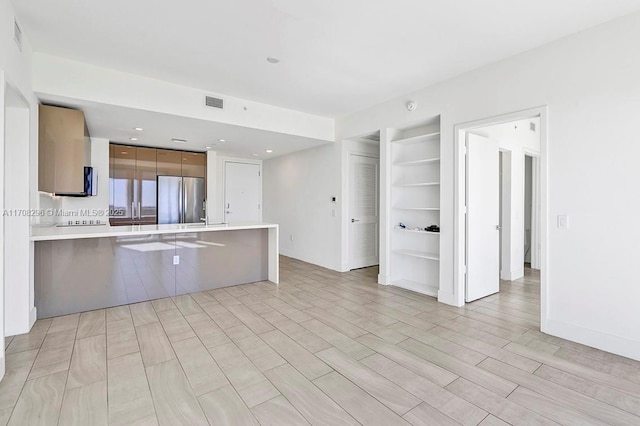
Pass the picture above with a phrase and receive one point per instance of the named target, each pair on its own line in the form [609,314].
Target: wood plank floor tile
[40,401]
[143,313]
[172,396]
[88,362]
[439,398]
[426,415]
[278,412]
[385,391]
[303,360]
[154,344]
[580,402]
[229,355]
[494,383]
[225,408]
[344,343]
[554,410]
[121,338]
[250,319]
[314,405]
[418,365]
[358,403]
[64,323]
[91,324]
[495,404]
[85,405]
[128,392]
[203,373]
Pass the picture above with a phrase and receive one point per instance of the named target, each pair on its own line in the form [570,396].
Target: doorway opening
[362,160]
[499,234]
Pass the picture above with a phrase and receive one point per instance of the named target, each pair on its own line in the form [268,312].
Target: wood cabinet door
[145,185]
[194,164]
[169,162]
[121,179]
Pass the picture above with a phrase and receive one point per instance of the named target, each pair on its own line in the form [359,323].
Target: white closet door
[363,208]
[483,206]
[242,192]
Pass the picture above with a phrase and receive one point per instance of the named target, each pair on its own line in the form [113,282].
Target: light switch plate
[563,221]
[176,260]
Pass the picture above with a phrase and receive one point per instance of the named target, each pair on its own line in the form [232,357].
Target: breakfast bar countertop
[53,232]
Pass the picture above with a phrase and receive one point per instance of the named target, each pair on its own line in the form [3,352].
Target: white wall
[15,73]
[297,191]
[62,77]
[514,140]
[589,83]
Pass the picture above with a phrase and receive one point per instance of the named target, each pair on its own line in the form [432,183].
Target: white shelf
[422,162]
[418,208]
[418,184]
[420,138]
[420,254]
[416,232]
[422,288]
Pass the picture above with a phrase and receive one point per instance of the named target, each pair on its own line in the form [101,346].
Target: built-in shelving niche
[415,201]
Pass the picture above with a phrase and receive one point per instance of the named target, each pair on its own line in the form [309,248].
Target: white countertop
[52,232]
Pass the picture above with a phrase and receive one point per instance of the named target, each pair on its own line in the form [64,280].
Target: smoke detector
[411,106]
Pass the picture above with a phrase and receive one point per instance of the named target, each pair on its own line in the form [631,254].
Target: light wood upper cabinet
[169,162]
[194,164]
[64,149]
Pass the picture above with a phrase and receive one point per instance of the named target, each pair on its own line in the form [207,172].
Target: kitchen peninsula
[85,268]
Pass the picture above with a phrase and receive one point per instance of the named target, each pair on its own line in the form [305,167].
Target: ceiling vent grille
[212,102]
[17,34]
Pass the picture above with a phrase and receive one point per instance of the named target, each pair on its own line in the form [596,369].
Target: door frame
[460,175]
[223,180]
[357,146]
[349,214]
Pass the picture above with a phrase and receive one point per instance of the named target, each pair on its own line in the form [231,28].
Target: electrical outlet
[176,260]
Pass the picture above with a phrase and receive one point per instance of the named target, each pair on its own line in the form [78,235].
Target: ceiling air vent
[17,34]
[532,126]
[212,102]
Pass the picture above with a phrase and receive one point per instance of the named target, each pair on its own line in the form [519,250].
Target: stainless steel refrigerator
[181,199]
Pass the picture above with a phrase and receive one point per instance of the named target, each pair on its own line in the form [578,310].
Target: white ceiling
[118,124]
[336,56]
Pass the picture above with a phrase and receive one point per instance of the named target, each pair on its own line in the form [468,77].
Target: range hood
[64,153]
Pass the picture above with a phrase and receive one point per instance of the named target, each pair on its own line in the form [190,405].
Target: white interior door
[363,211]
[242,192]
[483,234]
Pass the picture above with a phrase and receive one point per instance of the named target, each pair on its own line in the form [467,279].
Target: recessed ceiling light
[133,139]
[272,60]
[222,140]
[208,147]
[269,151]
[255,155]
[179,140]
[138,129]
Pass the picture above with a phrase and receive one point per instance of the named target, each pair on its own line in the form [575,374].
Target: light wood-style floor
[323,348]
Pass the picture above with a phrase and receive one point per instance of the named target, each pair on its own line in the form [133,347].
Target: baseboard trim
[293,255]
[33,316]
[384,279]
[596,339]
[2,366]
[512,275]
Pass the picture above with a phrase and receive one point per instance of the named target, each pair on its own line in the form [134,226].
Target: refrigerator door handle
[180,204]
